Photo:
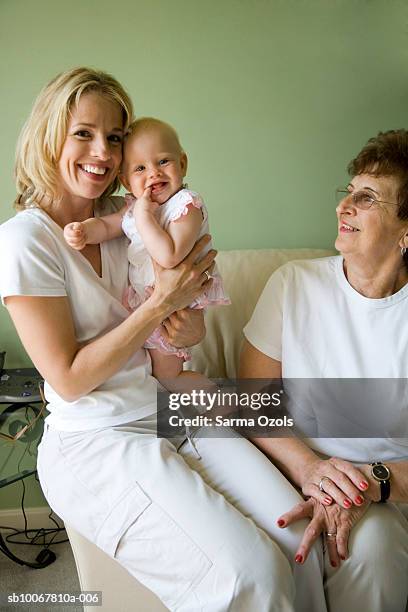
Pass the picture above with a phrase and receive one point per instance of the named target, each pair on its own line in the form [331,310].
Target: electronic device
[18,385]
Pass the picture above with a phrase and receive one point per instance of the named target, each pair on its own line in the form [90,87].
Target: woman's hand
[184,327]
[340,480]
[333,521]
[177,287]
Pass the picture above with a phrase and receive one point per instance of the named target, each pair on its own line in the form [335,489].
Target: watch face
[381,472]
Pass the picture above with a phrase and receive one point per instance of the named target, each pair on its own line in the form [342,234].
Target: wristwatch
[382,474]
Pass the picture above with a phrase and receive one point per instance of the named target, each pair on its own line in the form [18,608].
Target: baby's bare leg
[165,366]
[168,369]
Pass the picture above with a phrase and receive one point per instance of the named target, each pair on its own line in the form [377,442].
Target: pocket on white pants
[127,509]
[152,547]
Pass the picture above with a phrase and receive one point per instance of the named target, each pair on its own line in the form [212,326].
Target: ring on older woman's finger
[208,275]
[331,534]
[321,486]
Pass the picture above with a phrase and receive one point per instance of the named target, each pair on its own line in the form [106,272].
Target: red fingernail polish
[327,501]
[363,484]
[359,499]
[347,503]
[333,563]
[299,559]
[342,558]
[281,522]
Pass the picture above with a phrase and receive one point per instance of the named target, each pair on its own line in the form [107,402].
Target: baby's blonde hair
[43,135]
[147,124]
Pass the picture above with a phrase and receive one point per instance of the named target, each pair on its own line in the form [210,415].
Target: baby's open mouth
[158,187]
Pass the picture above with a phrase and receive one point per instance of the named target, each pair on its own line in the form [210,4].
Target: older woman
[184,519]
[345,317]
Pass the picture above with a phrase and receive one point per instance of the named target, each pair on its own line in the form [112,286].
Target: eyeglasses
[30,424]
[361,199]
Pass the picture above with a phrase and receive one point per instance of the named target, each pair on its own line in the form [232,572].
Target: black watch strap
[385,490]
[382,475]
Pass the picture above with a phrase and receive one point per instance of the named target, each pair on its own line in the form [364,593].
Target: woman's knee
[380,537]
[264,576]
[377,565]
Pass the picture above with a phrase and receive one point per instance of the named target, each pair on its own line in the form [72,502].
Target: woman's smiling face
[92,151]
[375,234]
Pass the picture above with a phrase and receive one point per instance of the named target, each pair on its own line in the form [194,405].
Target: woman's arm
[167,248]
[288,454]
[94,230]
[74,370]
[293,457]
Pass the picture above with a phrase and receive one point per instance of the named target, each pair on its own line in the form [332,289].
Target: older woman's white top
[35,260]
[311,320]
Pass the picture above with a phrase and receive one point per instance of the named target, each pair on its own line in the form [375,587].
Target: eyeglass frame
[352,194]
[30,424]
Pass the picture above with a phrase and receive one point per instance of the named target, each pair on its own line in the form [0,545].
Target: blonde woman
[208,538]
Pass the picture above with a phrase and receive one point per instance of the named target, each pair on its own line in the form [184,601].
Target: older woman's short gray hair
[386,155]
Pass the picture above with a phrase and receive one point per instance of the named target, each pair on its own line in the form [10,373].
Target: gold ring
[321,487]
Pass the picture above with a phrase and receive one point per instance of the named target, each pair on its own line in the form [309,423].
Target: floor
[59,577]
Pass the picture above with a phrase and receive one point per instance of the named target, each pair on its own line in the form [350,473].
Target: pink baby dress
[141,272]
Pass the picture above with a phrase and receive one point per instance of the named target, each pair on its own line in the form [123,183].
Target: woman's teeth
[93,169]
[348,227]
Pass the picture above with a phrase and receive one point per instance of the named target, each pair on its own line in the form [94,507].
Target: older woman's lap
[374,577]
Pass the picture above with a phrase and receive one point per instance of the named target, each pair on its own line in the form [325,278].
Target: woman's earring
[403,251]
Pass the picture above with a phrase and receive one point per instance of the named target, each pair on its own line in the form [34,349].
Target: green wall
[271,98]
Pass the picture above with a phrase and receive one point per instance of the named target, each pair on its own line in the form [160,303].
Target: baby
[162,219]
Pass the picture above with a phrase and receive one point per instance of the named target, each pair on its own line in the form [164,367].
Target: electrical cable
[46,556]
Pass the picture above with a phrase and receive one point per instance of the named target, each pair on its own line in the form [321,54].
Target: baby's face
[153,159]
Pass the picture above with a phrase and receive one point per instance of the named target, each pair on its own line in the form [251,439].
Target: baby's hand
[145,204]
[75,235]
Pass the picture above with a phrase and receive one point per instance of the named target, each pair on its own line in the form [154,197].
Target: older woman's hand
[332,521]
[339,479]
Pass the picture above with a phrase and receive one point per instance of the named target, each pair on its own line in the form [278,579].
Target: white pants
[375,576]
[197,525]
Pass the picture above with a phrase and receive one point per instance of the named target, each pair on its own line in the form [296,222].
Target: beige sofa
[245,274]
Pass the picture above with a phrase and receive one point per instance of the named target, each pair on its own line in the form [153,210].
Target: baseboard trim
[36,518]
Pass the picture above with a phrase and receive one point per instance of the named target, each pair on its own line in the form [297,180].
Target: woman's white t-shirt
[35,260]
[311,320]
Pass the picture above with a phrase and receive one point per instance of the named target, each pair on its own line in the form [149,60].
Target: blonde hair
[149,124]
[43,135]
